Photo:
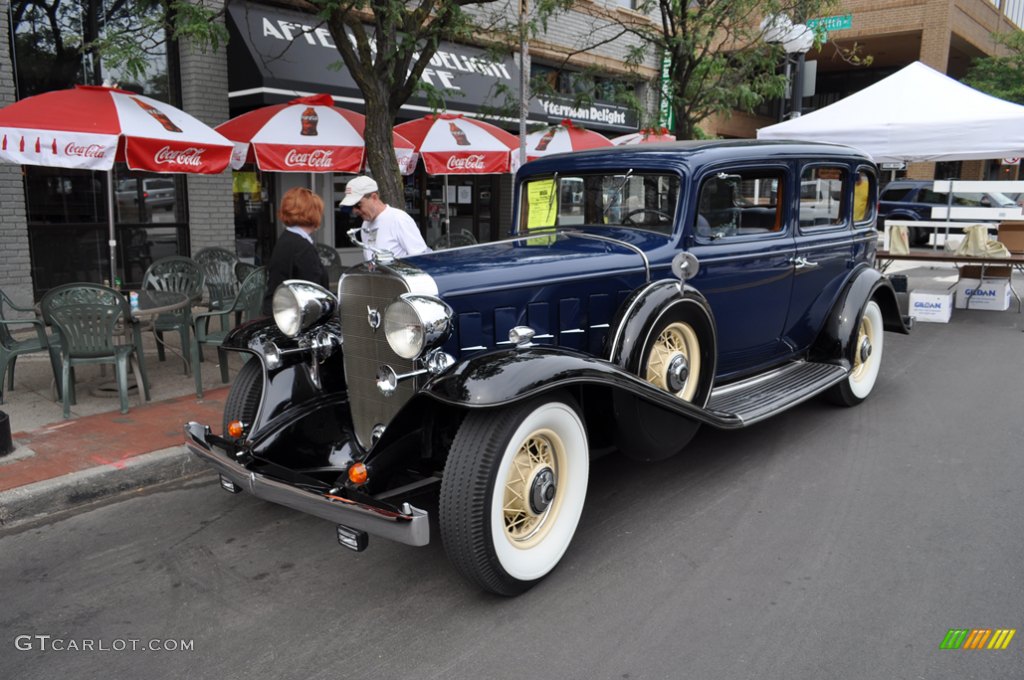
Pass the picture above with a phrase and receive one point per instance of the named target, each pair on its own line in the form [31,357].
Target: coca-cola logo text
[473,162]
[84,150]
[319,158]
[192,156]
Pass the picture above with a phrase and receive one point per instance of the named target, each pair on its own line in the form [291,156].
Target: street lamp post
[796,41]
[524,79]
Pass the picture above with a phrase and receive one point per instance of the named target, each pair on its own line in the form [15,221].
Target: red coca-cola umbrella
[452,144]
[645,136]
[455,145]
[90,127]
[562,138]
[307,134]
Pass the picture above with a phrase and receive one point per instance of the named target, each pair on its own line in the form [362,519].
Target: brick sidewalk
[105,439]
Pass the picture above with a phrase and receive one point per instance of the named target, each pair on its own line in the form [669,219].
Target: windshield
[626,198]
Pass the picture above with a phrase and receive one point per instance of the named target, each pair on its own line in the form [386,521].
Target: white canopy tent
[916,114]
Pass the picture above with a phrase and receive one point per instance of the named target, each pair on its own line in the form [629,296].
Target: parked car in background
[687,288]
[914,199]
[156,193]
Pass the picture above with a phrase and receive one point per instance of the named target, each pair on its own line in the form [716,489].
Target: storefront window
[68,209]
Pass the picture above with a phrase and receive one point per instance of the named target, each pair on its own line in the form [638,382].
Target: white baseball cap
[357,188]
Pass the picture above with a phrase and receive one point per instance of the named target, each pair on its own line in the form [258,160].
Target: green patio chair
[331,261]
[218,265]
[242,270]
[11,347]
[247,304]
[180,275]
[92,321]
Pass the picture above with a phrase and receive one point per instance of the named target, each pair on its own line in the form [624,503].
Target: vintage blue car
[644,292]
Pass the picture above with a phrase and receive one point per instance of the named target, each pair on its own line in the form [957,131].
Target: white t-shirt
[393,230]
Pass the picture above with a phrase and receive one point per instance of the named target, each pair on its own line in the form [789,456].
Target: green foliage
[717,59]
[1002,76]
[143,27]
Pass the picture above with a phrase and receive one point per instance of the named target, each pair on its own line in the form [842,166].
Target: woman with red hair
[294,255]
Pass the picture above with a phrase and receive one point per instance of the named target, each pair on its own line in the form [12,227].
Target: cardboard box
[1011,234]
[931,306]
[989,294]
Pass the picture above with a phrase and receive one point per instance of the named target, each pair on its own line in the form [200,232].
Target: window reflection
[68,210]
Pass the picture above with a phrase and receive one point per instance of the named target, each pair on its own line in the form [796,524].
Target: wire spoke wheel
[863,356]
[673,363]
[531,503]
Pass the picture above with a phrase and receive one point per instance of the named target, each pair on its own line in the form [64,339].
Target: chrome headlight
[415,323]
[299,304]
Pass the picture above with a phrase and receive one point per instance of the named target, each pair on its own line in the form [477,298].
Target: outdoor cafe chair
[247,303]
[95,327]
[242,270]
[218,265]
[331,261]
[11,348]
[180,275]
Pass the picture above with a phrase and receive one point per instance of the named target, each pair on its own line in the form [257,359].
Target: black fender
[834,343]
[638,316]
[508,376]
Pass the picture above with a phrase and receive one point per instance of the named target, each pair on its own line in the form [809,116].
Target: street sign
[834,23]
[893,166]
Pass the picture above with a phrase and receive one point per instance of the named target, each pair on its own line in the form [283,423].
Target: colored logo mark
[978,638]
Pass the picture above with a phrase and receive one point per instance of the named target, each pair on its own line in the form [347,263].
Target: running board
[765,395]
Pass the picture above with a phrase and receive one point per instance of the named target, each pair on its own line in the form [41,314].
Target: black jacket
[293,258]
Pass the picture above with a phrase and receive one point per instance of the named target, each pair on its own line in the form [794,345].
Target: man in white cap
[384,227]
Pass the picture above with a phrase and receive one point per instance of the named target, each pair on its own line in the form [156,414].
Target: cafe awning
[276,54]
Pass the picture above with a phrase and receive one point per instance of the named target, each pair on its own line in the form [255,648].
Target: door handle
[802,263]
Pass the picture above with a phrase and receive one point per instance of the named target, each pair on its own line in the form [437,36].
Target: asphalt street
[824,543]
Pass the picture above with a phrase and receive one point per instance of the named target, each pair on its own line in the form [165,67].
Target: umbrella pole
[447,225]
[110,222]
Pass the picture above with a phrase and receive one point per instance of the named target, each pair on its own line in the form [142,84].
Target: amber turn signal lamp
[236,429]
[357,473]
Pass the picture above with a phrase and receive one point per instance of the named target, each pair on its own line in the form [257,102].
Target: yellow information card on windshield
[542,210]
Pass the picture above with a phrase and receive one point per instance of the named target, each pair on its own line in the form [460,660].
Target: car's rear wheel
[919,236]
[513,492]
[866,360]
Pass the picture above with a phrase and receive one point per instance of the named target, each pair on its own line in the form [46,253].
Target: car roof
[686,155]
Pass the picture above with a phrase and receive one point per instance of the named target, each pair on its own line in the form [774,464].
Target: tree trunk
[380,147]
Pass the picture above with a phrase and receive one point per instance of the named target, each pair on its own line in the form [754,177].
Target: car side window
[822,196]
[740,202]
[865,188]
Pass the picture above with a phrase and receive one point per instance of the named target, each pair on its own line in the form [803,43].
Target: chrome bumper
[409,525]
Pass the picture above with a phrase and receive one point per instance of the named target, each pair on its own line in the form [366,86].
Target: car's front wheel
[244,397]
[513,492]
[866,360]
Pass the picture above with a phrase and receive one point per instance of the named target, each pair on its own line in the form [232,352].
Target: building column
[204,94]
[16,273]
[936,33]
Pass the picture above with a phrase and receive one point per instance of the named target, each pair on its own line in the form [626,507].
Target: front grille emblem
[372,317]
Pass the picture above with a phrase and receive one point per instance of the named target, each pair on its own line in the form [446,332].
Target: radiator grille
[367,348]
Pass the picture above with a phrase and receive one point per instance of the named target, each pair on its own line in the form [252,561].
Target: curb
[84,487]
